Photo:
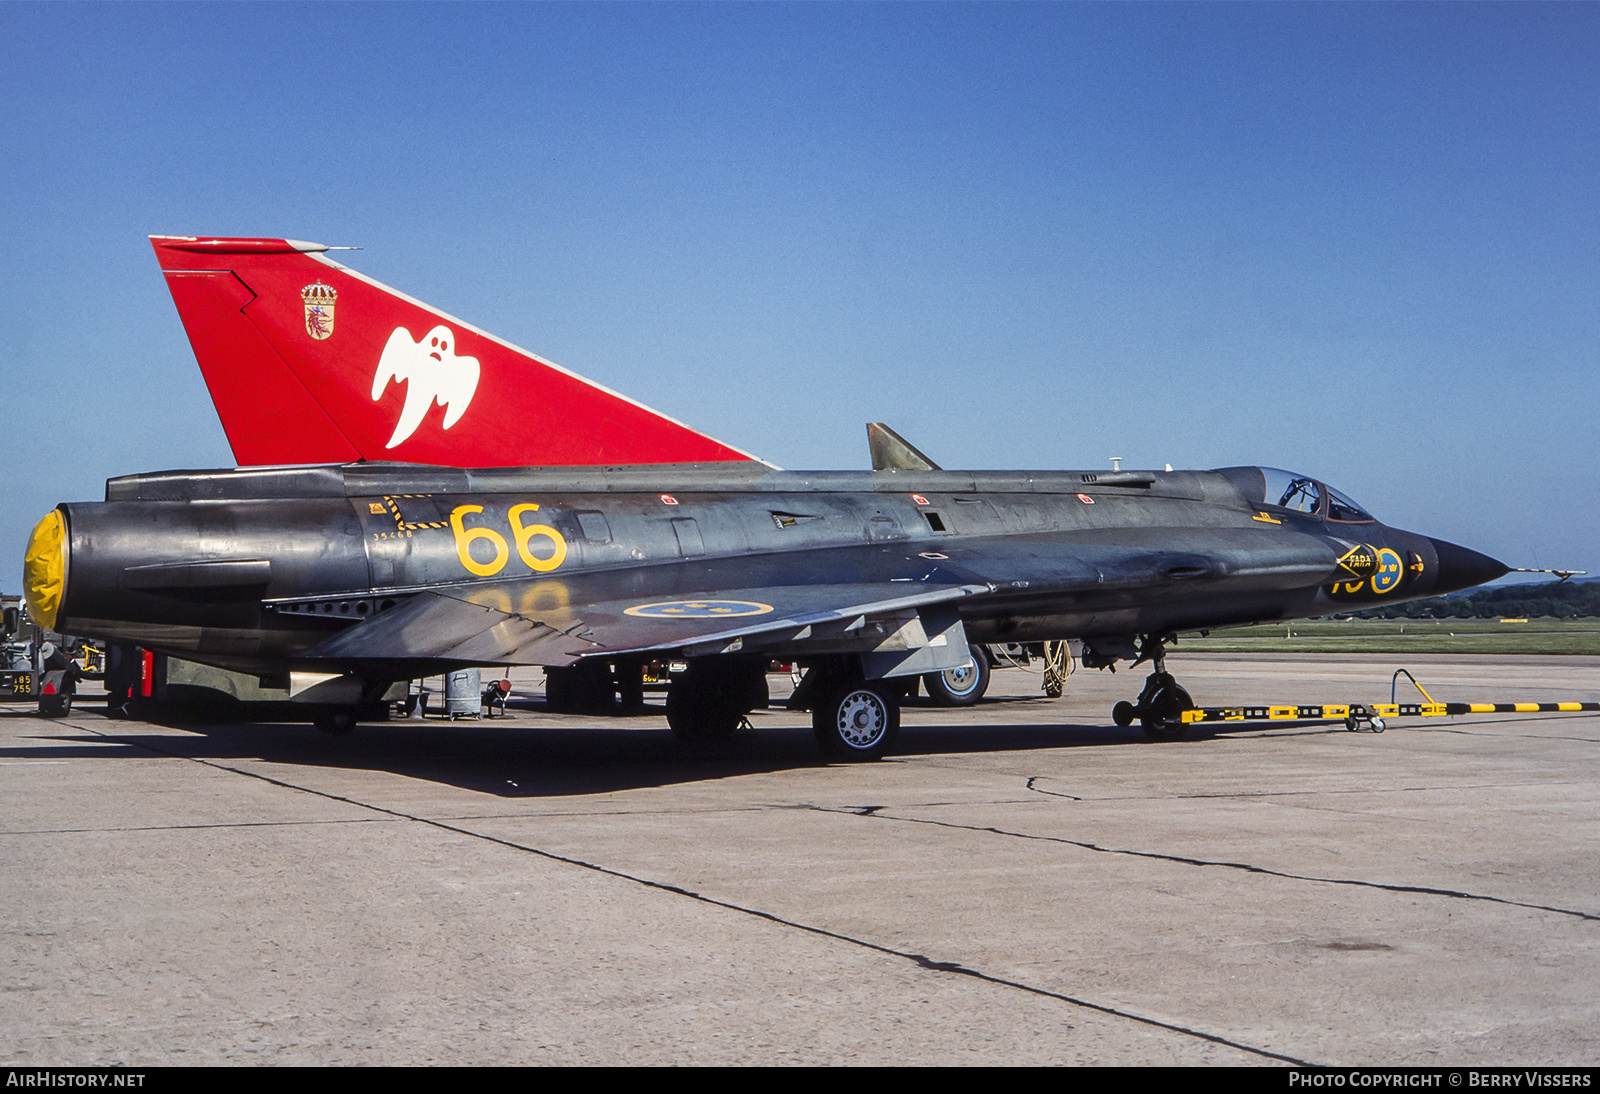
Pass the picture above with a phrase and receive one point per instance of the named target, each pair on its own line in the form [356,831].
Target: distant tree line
[1565,599]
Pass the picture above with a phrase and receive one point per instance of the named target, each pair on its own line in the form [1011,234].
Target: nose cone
[1462,568]
[44,569]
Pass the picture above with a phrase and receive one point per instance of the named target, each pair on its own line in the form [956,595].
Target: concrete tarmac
[1020,882]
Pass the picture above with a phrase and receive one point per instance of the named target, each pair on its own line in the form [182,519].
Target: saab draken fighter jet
[477,505]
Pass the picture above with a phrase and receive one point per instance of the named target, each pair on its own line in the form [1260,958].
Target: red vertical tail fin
[310,362]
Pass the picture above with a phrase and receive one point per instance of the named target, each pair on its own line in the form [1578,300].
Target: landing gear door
[933,641]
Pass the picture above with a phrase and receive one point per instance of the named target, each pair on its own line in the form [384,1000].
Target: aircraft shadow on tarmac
[517,757]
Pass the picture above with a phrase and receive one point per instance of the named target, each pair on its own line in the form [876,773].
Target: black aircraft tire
[698,718]
[1163,716]
[584,688]
[857,722]
[1124,713]
[557,691]
[960,687]
[336,721]
[630,686]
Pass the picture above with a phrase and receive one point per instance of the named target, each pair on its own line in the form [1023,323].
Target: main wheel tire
[698,717]
[630,686]
[960,687]
[557,690]
[584,688]
[336,721]
[706,704]
[1163,714]
[857,721]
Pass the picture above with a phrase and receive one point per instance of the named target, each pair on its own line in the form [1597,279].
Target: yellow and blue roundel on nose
[1390,571]
[44,569]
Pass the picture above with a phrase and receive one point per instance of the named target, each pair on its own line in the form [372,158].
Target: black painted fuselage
[261,569]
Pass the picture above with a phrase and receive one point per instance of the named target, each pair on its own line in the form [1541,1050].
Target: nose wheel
[1160,706]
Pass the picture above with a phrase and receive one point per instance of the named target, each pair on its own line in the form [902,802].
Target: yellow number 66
[524,534]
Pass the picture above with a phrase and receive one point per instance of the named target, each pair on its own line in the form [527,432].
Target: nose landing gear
[1161,704]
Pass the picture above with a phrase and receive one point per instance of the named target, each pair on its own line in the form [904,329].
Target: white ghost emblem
[433,374]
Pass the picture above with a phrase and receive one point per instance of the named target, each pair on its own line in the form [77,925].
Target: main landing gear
[853,719]
[706,704]
[960,687]
[856,720]
[1161,704]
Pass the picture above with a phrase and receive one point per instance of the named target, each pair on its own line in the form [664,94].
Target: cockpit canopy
[1274,488]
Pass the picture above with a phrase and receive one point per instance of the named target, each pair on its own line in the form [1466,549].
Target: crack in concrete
[1508,736]
[1053,793]
[189,827]
[921,960]
[1246,867]
[1246,794]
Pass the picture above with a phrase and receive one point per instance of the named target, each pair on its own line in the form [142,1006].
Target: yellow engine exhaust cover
[44,569]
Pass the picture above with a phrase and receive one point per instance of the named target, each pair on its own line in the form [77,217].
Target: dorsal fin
[892,452]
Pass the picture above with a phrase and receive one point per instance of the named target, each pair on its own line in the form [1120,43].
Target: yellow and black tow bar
[1356,715]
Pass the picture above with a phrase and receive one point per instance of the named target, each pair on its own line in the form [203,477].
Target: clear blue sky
[1358,241]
